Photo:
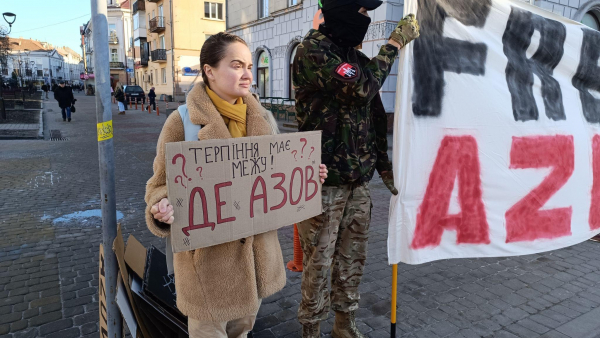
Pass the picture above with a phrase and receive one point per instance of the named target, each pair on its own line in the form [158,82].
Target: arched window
[591,20]
[262,73]
[291,91]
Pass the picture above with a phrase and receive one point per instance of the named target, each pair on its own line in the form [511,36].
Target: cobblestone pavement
[49,268]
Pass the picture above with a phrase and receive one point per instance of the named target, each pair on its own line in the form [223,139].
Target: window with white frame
[263,8]
[163,73]
[114,55]
[161,42]
[112,29]
[136,21]
[213,10]
[292,2]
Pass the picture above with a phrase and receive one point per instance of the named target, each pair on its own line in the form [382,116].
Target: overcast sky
[54,21]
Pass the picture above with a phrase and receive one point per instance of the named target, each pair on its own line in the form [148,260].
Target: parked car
[134,93]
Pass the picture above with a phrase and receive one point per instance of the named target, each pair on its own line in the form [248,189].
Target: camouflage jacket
[337,91]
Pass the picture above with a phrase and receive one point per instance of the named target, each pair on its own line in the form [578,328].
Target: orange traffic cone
[296,264]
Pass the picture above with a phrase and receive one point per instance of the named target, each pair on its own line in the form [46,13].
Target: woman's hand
[163,211]
[323,173]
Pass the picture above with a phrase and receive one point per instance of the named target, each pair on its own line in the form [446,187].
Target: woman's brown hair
[213,50]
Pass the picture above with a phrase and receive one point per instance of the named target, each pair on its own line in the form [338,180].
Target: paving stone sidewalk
[49,268]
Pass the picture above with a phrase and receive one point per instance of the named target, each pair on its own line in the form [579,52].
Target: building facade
[167,37]
[40,62]
[274,28]
[120,47]
[72,65]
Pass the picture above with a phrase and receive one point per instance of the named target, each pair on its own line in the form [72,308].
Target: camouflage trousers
[336,239]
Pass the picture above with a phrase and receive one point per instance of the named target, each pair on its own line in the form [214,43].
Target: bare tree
[4,53]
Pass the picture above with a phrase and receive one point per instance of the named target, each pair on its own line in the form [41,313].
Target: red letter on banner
[254,197]
[220,203]
[457,157]
[206,223]
[310,181]
[279,186]
[524,220]
[595,207]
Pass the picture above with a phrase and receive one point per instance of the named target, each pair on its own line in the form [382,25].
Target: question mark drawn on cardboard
[295,152]
[180,180]
[305,142]
[200,172]
[182,165]
[312,149]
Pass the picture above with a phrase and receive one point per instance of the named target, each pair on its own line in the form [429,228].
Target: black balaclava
[345,25]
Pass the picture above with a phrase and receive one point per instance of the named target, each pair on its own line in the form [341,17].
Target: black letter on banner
[519,70]
[434,54]
[588,75]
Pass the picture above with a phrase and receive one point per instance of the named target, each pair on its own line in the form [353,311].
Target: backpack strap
[191,130]
[191,134]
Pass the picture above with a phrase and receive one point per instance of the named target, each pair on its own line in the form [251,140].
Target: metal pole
[106,157]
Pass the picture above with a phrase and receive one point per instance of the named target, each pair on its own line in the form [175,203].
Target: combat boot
[345,326]
[311,330]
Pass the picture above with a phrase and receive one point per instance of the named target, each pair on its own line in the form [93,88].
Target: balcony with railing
[157,24]
[159,55]
[113,39]
[139,5]
[117,65]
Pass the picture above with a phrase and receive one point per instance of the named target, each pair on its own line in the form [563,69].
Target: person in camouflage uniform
[337,92]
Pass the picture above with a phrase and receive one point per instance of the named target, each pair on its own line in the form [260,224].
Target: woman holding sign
[220,287]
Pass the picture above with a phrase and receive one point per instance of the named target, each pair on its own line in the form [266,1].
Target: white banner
[497,133]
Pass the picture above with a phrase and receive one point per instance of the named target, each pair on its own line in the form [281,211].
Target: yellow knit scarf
[234,115]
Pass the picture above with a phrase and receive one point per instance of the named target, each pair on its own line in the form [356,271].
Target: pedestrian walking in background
[120,97]
[64,95]
[337,91]
[45,89]
[151,99]
[237,275]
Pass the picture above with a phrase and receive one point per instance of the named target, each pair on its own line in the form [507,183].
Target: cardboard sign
[224,190]
[497,133]
[102,295]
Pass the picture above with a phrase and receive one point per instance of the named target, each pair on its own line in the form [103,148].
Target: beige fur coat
[222,282]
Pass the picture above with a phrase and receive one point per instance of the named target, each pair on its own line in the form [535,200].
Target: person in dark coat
[151,99]
[120,97]
[45,89]
[64,95]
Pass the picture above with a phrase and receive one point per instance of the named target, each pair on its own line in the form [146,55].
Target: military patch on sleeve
[347,71]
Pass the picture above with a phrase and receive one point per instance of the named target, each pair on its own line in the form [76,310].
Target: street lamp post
[10,19]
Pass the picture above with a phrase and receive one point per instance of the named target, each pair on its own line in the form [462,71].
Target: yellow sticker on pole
[105,131]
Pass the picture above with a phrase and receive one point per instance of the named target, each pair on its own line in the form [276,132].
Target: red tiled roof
[22,44]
